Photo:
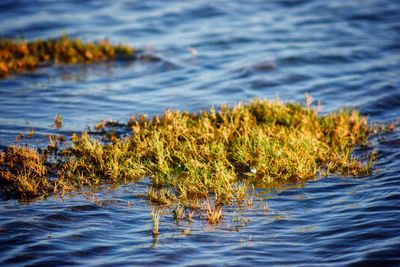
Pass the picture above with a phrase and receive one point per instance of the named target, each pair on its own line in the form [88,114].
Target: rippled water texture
[195,54]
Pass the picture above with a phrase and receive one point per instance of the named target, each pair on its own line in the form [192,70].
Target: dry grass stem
[155,215]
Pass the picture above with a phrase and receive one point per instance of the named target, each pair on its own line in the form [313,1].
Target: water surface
[197,54]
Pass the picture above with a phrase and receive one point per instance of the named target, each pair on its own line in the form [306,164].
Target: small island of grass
[21,55]
[197,161]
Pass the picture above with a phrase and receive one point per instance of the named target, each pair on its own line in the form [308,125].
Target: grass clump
[21,55]
[58,121]
[24,172]
[155,216]
[193,160]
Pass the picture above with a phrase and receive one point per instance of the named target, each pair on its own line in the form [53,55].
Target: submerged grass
[21,55]
[193,159]
[155,215]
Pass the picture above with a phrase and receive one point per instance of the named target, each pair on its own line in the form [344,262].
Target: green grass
[21,55]
[198,161]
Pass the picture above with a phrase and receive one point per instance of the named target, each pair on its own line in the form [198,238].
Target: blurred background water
[196,54]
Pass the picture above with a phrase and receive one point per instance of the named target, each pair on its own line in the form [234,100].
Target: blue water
[195,54]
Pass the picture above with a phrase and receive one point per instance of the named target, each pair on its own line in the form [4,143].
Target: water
[195,54]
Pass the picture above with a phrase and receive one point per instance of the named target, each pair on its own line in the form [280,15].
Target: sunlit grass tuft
[213,213]
[21,55]
[190,158]
[155,215]
[58,121]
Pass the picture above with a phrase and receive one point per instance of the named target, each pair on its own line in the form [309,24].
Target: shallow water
[196,54]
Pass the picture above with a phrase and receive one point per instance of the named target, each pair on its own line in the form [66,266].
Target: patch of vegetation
[21,55]
[58,121]
[200,161]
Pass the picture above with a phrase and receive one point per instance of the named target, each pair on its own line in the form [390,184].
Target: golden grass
[21,55]
[155,215]
[190,158]
[213,214]
[58,121]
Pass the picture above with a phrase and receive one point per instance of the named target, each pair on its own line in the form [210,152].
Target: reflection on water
[345,53]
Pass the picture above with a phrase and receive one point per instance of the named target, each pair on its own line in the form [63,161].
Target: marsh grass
[215,156]
[58,121]
[21,55]
[213,213]
[178,213]
[155,215]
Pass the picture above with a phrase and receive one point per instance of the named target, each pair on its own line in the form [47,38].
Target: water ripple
[193,55]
